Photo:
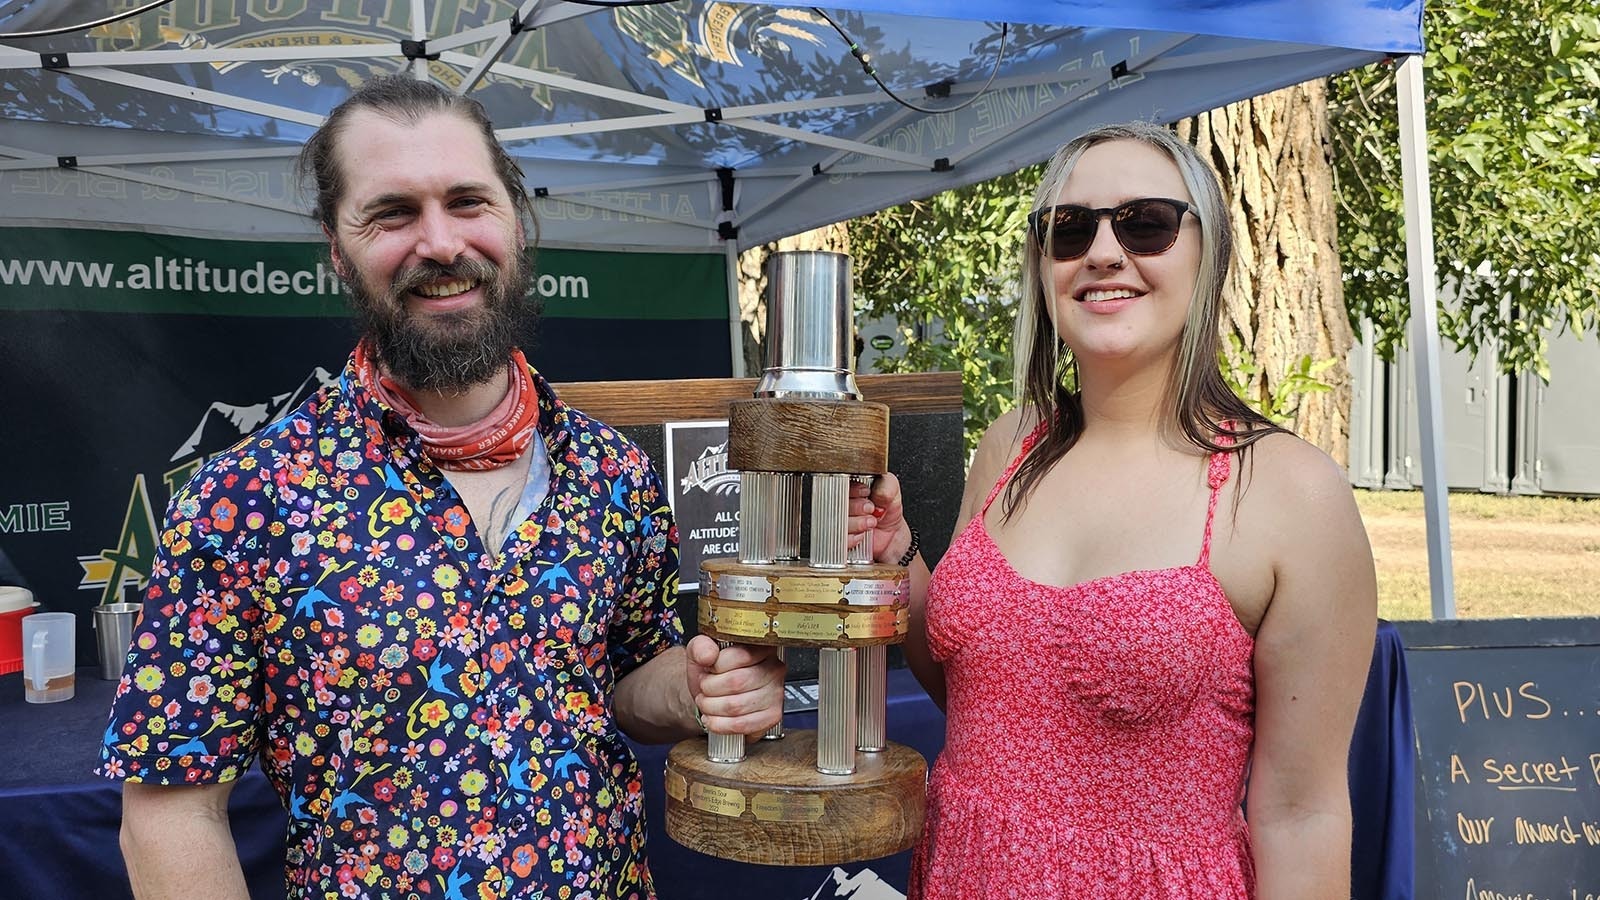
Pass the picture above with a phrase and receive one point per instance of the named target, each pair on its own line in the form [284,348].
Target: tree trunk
[1285,297]
[753,285]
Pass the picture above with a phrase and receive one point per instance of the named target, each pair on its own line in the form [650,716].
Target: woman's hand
[878,514]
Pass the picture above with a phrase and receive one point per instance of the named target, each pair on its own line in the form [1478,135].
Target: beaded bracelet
[911,551]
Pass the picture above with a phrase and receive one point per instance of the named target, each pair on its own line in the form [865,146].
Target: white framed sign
[704,494]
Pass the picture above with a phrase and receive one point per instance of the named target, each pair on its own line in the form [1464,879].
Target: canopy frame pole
[1088,83]
[198,95]
[196,189]
[671,113]
[877,97]
[694,179]
[1425,342]
[93,166]
[29,160]
[573,199]
[807,178]
[730,250]
[419,32]
[13,58]
[498,48]
[1093,81]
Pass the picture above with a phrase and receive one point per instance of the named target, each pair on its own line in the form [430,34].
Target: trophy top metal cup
[811,332]
[842,792]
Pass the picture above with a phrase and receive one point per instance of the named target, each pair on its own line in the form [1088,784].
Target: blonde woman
[1158,607]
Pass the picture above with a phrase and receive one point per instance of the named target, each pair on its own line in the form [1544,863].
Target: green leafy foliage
[945,269]
[1301,377]
[1513,95]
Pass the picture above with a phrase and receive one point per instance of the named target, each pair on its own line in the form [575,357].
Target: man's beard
[452,351]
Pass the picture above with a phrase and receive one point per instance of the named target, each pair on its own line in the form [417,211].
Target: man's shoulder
[295,430]
[249,461]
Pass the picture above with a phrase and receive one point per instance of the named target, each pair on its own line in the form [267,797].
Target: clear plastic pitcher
[49,651]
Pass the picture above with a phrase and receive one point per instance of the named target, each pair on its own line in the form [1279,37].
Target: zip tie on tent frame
[937,90]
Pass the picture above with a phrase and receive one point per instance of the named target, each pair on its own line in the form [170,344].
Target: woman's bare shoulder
[1292,478]
[1300,511]
[1002,440]
[1000,444]
[1013,425]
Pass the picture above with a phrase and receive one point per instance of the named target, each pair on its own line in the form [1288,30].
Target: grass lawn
[1513,556]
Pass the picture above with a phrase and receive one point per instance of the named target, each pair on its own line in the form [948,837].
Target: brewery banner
[704,493]
[127,359]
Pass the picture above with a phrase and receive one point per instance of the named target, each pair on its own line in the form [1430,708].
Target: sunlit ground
[1514,556]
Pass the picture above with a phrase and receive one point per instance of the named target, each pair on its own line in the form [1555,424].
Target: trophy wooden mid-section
[808,435]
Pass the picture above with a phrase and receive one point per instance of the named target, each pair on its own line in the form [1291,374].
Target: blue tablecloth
[59,837]
[1383,779]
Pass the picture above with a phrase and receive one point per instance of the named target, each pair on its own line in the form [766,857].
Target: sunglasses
[1143,227]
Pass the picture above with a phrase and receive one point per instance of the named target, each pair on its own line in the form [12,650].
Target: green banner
[86,270]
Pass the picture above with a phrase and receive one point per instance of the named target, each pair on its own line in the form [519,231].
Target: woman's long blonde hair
[1201,400]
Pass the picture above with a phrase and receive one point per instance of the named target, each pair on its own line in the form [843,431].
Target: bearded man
[434,598]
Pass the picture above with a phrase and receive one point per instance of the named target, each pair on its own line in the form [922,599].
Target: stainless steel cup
[811,327]
[113,627]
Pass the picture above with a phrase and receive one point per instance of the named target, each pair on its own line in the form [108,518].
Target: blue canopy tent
[689,126]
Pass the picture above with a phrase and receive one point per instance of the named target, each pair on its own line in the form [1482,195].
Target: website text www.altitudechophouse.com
[191,275]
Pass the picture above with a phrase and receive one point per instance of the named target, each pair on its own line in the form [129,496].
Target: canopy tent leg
[1425,332]
[730,249]
[419,32]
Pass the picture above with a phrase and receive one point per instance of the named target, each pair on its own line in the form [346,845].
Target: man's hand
[738,689]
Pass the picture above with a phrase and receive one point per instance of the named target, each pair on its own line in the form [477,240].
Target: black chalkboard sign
[1507,718]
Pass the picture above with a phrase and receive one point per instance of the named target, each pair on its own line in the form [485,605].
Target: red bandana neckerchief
[497,440]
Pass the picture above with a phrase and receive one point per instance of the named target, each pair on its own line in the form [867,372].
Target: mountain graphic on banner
[863,885]
[223,423]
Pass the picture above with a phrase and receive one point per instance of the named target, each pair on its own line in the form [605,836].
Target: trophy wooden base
[774,808]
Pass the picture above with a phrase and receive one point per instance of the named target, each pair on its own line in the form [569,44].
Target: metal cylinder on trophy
[842,791]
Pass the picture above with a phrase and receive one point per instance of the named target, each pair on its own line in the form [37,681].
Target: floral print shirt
[437,717]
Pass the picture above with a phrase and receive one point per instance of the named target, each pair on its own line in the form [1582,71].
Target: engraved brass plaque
[742,588]
[677,785]
[877,591]
[718,801]
[800,589]
[787,807]
[807,626]
[741,622]
[879,623]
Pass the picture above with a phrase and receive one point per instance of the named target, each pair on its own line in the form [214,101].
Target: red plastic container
[11,639]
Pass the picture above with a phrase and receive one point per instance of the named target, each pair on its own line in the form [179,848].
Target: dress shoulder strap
[1217,471]
[1027,445]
